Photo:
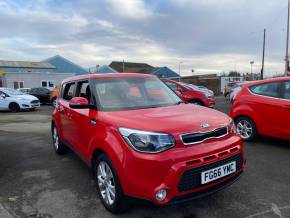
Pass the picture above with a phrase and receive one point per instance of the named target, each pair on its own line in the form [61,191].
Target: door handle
[93,122]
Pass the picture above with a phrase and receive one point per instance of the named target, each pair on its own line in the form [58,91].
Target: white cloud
[208,36]
[135,9]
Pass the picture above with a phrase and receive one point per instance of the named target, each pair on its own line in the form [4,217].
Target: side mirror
[178,92]
[80,103]
[3,96]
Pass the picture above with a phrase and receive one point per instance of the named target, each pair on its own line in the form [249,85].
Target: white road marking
[4,212]
[274,209]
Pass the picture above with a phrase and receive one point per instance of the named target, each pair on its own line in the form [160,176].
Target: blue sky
[208,36]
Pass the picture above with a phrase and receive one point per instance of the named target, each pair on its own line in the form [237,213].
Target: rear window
[267,89]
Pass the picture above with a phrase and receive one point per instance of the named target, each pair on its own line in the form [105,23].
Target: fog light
[161,194]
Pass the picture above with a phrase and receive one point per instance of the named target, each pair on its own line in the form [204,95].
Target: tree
[234,73]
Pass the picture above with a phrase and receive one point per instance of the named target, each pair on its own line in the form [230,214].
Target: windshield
[133,93]
[12,92]
[190,86]
[202,87]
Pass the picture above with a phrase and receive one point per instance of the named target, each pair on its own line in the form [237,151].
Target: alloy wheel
[55,139]
[106,183]
[54,103]
[245,129]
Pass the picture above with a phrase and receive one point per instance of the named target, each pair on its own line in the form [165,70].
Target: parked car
[228,88]
[235,90]
[24,90]
[14,100]
[141,140]
[53,95]
[43,94]
[189,94]
[263,108]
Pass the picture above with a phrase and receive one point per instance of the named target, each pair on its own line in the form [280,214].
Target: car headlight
[149,142]
[232,127]
[208,95]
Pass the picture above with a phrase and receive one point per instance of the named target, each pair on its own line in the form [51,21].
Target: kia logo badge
[205,125]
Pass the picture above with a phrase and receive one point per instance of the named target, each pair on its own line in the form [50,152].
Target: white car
[14,100]
[235,91]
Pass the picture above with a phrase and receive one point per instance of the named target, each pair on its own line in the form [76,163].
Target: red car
[141,140]
[263,107]
[189,94]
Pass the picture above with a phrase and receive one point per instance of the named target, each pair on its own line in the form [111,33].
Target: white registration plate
[218,172]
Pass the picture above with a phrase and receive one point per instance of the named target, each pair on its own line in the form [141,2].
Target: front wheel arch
[193,101]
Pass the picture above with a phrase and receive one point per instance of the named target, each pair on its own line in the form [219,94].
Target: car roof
[257,82]
[108,75]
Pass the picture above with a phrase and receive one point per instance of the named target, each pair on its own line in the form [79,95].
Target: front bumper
[29,106]
[210,103]
[147,174]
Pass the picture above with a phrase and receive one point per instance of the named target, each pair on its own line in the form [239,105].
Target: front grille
[198,137]
[205,192]
[191,178]
[34,102]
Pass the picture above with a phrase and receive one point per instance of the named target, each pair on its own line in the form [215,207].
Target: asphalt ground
[35,182]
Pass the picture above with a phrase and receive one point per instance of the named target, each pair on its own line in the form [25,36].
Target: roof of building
[26,64]
[131,67]
[165,72]
[63,65]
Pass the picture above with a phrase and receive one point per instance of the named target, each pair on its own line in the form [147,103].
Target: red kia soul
[141,140]
[263,107]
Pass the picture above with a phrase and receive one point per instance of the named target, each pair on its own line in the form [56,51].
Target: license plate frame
[218,172]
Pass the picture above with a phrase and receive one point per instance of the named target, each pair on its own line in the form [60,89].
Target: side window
[286,93]
[68,92]
[172,86]
[34,90]
[43,83]
[83,90]
[51,84]
[267,89]
[44,91]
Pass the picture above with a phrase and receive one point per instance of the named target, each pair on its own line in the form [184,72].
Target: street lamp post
[180,62]
[287,42]
[252,62]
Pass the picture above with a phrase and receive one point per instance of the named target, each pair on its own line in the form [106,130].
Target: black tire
[53,102]
[58,146]
[119,204]
[14,107]
[249,135]
[196,102]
